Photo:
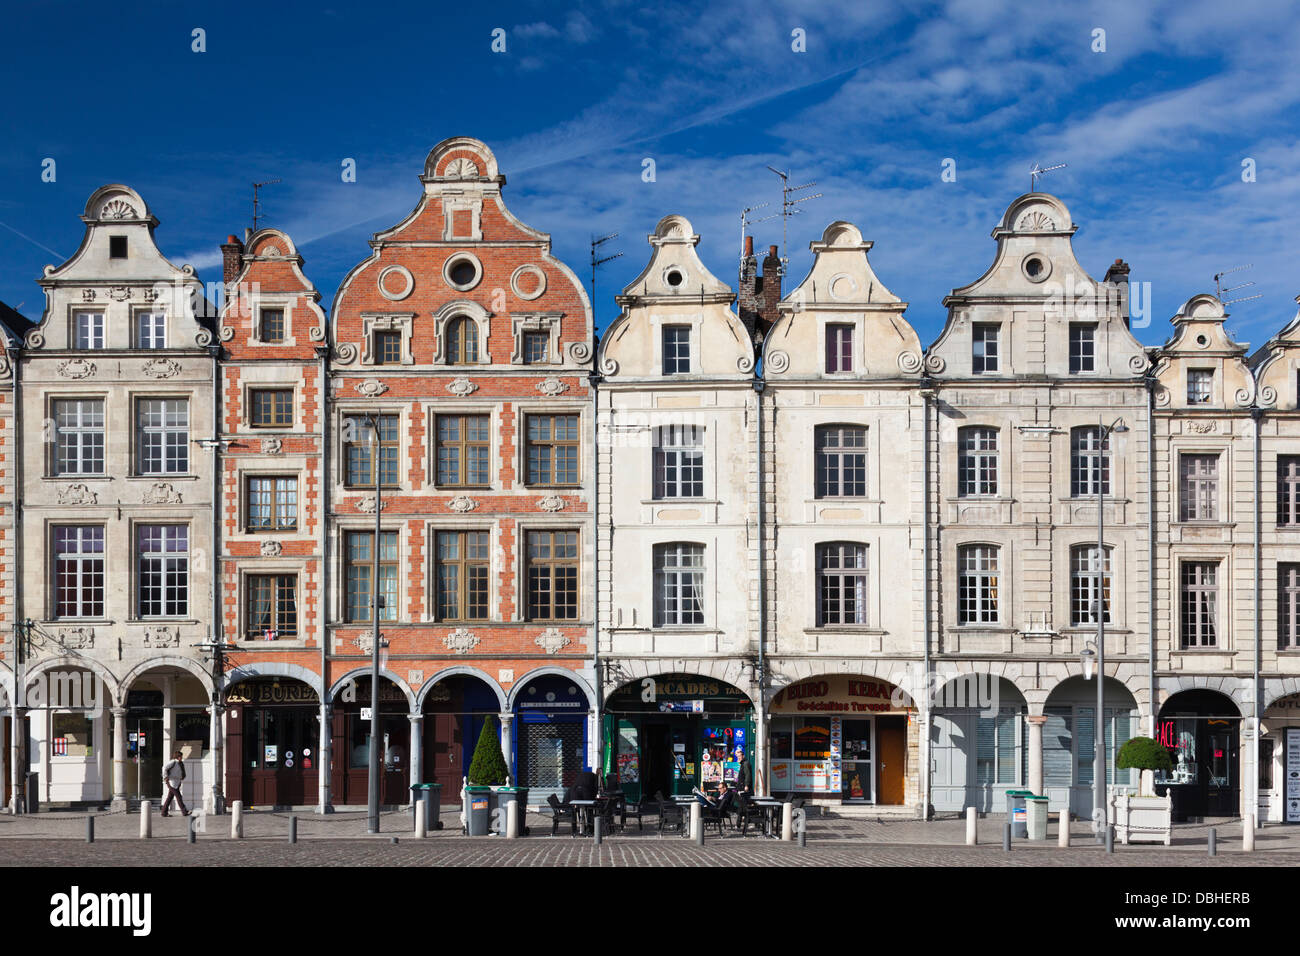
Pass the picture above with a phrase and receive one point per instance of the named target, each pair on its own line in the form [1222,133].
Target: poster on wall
[1293,775]
[837,735]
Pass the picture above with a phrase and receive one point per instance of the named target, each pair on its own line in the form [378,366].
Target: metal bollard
[191,835]
[597,829]
[803,836]
[1248,833]
[90,829]
[699,832]
[293,829]
[1006,837]
[1063,829]
[393,841]
[787,822]
[972,816]
[1110,838]
[1214,841]
[237,820]
[146,821]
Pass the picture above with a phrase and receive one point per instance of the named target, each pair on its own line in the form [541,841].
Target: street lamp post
[1099,724]
[372,820]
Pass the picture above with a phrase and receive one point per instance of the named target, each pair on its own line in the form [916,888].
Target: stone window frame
[274,570]
[453,202]
[366,526]
[696,324]
[549,322]
[497,565]
[284,301]
[372,322]
[455,309]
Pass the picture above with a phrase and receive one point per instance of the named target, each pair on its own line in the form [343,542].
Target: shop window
[977,462]
[193,733]
[841,461]
[679,462]
[72,735]
[1089,462]
[998,740]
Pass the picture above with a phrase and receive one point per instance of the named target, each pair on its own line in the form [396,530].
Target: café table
[771,808]
[583,809]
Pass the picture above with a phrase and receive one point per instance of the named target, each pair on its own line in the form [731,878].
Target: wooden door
[444,754]
[891,743]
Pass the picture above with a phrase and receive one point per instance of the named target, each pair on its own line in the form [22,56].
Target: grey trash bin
[478,803]
[1036,817]
[427,798]
[1016,812]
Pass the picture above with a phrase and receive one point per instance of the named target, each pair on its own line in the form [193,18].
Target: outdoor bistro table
[583,809]
[771,809]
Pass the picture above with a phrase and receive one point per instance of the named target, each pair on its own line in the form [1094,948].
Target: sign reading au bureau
[836,694]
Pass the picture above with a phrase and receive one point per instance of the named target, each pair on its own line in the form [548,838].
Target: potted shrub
[487,771]
[1145,817]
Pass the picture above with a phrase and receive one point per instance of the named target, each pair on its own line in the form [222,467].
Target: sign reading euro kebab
[836,694]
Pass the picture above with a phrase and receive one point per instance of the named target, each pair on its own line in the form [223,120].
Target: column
[17,768]
[323,762]
[119,758]
[758,752]
[416,749]
[1036,723]
[507,744]
[215,801]
[47,741]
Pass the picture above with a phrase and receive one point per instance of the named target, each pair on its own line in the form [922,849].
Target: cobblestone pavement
[340,839]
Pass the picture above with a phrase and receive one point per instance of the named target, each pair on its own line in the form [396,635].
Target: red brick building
[470,345]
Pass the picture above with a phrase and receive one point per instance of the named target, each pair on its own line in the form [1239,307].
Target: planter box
[1143,819]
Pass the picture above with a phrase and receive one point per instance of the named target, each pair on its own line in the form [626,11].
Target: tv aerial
[596,262]
[257,202]
[746,222]
[789,207]
[1220,291]
[1035,171]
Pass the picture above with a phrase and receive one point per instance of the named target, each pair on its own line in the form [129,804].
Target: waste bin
[478,804]
[427,798]
[1036,817]
[1016,812]
[519,795]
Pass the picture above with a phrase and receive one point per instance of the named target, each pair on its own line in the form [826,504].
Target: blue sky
[1154,129]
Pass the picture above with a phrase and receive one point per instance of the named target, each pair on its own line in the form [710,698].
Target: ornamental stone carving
[87,295]
[579,352]
[371,387]
[367,504]
[462,504]
[162,493]
[461,386]
[271,446]
[551,386]
[461,641]
[161,368]
[346,353]
[551,640]
[551,503]
[271,549]
[415,677]
[77,494]
[117,209]
[119,293]
[1202,428]
[202,338]
[462,168]
[78,638]
[77,368]
[162,637]
[909,361]
[745,363]
[1036,221]
[934,363]
[778,361]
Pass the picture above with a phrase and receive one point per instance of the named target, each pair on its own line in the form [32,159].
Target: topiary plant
[1143,753]
[488,767]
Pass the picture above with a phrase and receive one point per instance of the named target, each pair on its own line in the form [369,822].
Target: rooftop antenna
[257,202]
[1220,291]
[745,222]
[1035,171]
[788,208]
[595,263]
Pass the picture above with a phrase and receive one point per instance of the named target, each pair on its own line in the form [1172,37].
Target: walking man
[173,777]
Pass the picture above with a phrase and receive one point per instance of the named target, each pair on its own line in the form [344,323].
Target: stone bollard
[419,822]
[512,820]
[90,829]
[237,820]
[191,834]
[1063,829]
[1110,838]
[597,828]
[697,822]
[803,836]
[293,829]
[146,821]
[1248,833]
[787,822]
[1214,841]
[972,833]
[1006,837]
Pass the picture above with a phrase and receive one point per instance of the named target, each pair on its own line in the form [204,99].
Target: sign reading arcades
[838,694]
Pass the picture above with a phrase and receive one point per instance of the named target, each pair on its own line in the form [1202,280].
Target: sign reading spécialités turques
[836,694]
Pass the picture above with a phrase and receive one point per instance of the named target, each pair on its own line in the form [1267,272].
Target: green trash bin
[426,798]
[1036,817]
[519,795]
[478,806]
[1016,812]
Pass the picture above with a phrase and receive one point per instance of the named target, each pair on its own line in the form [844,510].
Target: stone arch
[1238,690]
[1052,674]
[1275,688]
[115,692]
[193,667]
[383,672]
[464,671]
[564,672]
[898,673]
[728,670]
[275,669]
[7,692]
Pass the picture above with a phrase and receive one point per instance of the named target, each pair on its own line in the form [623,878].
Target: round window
[674,278]
[1036,267]
[462,271]
[1202,341]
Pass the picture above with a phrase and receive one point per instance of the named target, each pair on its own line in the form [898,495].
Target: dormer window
[462,341]
[984,348]
[117,247]
[677,349]
[839,348]
[1200,385]
[537,347]
[89,332]
[271,328]
[388,347]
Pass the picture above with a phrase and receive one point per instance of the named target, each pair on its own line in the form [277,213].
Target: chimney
[1117,276]
[769,289]
[748,300]
[232,259]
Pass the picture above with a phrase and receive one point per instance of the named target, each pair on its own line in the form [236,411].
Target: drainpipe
[760,728]
[217,745]
[18,723]
[323,511]
[1151,553]
[1252,806]
[927,395]
[594,379]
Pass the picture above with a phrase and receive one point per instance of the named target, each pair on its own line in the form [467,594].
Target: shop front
[272,738]
[1202,731]
[672,732]
[1279,761]
[69,736]
[840,737]
[977,752]
[350,737]
[550,735]
[455,709]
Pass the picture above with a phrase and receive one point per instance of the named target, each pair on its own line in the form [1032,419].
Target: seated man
[703,798]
